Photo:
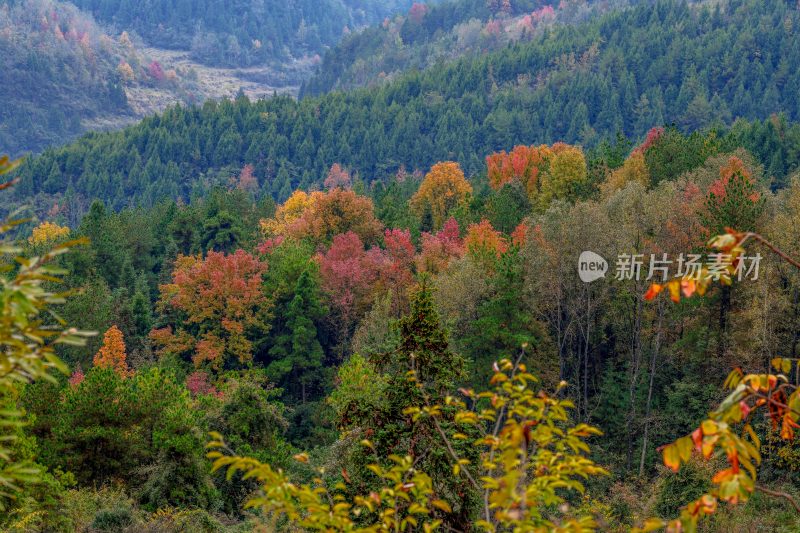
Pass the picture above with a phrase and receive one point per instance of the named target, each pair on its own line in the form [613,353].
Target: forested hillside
[296,327]
[66,75]
[621,74]
[242,32]
[58,69]
[63,75]
[516,265]
[432,34]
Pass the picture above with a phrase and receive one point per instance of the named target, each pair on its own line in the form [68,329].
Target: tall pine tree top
[424,344]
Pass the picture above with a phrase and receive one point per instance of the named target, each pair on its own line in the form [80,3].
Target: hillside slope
[58,69]
[429,35]
[64,75]
[622,73]
[242,32]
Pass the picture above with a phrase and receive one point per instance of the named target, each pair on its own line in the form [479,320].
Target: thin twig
[779,494]
[453,453]
[770,400]
[772,247]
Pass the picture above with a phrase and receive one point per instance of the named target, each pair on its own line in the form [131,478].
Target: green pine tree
[739,206]
[504,323]
[101,228]
[424,345]
[141,314]
[297,355]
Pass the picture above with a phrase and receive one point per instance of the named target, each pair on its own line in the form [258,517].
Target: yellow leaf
[651,524]
[734,378]
[709,427]
[443,505]
[672,457]
[684,446]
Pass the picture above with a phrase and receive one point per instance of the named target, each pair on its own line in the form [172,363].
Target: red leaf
[653,291]
[745,409]
[697,438]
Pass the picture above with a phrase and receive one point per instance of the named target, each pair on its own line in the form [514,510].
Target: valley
[220,82]
[202,83]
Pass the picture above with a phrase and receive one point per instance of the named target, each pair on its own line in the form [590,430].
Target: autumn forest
[504,265]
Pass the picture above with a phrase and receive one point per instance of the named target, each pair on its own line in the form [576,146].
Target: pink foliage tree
[397,272]
[338,177]
[247,179]
[155,70]
[199,383]
[417,12]
[493,28]
[76,378]
[544,13]
[349,275]
[440,248]
[268,246]
[526,23]
[652,137]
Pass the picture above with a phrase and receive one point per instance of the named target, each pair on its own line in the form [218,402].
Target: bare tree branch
[779,494]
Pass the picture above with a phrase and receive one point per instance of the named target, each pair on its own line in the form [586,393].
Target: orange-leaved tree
[485,243]
[335,212]
[216,308]
[112,353]
[320,216]
[546,172]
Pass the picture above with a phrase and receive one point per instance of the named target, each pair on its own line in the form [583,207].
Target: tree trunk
[636,360]
[724,308]
[653,360]
[796,328]
[587,335]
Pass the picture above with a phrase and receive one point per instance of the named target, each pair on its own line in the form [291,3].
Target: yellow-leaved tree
[291,210]
[567,171]
[443,189]
[531,458]
[47,233]
[634,169]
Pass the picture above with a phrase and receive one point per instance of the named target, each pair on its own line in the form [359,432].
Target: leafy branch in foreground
[532,457]
[404,501]
[727,430]
[29,332]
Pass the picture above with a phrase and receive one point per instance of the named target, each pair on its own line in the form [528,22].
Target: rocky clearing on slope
[201,83]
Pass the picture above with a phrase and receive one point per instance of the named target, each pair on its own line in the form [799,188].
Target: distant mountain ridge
[661,63]
[64,75]
[242,32]
[58,68]
[431,34]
